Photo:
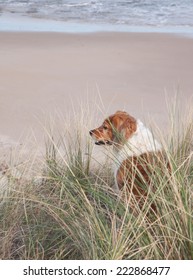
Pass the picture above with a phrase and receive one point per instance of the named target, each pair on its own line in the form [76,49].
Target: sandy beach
[41,73]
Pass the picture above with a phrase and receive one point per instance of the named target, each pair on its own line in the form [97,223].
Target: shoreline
[19,23]
[46,73]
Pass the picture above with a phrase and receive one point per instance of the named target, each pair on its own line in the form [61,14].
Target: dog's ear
[123,126]
[128,126]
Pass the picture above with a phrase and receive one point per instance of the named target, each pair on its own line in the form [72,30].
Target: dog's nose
[90,132]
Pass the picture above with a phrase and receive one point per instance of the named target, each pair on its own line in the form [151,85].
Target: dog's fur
[134,148]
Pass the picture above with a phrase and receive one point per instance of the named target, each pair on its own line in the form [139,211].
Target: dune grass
[73,212]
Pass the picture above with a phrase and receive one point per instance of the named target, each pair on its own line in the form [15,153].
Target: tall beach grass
[72,210]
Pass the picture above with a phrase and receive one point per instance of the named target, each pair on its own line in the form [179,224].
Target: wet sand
[41,73]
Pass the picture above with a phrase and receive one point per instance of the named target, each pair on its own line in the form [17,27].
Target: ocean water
[128,13]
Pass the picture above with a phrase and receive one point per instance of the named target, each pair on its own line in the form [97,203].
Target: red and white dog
[134,149]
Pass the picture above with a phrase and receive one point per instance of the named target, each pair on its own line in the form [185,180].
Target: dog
[135,151]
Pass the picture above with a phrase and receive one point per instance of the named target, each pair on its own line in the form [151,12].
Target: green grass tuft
[73,212]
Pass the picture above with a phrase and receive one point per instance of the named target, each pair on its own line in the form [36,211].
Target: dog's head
[116,129]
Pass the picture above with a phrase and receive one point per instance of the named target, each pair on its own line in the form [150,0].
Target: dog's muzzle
[100,142]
